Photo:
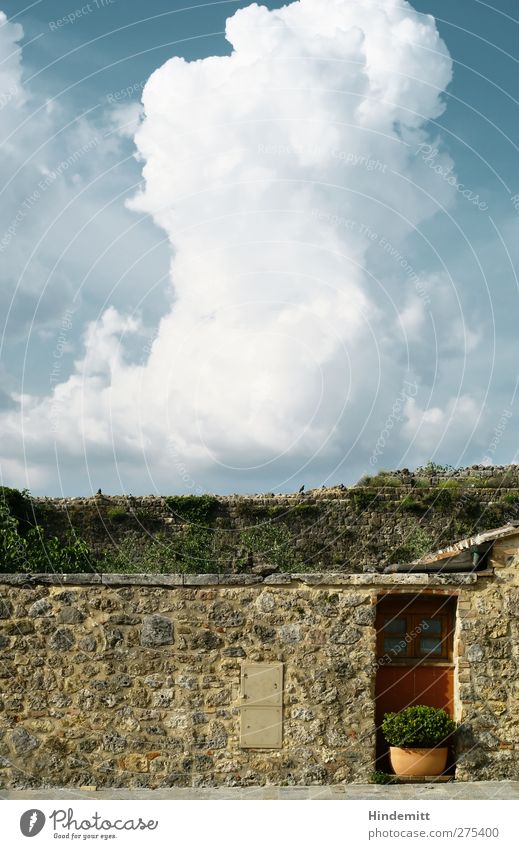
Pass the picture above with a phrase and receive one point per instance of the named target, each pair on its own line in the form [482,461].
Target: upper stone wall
[504,476]
[363,528]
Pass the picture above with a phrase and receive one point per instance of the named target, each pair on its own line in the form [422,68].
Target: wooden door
[414,656]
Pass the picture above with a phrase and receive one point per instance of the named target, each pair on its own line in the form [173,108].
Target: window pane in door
[395,645]
[430,645]
[432,626]
[394,626]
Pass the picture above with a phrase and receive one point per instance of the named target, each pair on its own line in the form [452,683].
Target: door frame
[392,598]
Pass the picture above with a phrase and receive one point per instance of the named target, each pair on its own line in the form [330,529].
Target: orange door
[414,656]
[399,687]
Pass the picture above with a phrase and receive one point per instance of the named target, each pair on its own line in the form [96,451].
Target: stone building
[162,680]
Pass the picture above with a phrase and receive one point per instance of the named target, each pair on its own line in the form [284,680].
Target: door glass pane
[430,645]
[394,626]
[432,626]
[395,645]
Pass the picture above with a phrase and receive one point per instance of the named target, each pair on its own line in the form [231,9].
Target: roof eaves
[511,529]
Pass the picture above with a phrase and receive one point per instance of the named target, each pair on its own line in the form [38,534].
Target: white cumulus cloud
[277,172]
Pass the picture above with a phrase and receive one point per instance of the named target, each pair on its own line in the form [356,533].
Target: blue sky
[93,280]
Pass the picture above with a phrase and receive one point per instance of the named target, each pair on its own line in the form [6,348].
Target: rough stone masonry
[133,681]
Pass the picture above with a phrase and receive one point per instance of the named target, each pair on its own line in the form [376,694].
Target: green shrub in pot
[418,727]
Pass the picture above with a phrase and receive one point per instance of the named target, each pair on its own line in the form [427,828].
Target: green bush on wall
[419,726]
[272,543]
[196,509]
[13,547]
[117,514]
[416,543]
[35,550]
[20,507]
[412,505]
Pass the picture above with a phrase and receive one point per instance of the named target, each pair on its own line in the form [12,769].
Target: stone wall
[507,475]
[352,530]
[133,680]
[488,650]
[138,685]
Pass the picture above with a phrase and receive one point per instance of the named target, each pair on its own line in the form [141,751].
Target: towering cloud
[287,177]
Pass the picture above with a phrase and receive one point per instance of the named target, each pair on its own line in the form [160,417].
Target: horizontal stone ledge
[239,580]
[139,579]
[370,579]
[113,579]
[77,579]
[284,578]
[208,580]
[213,579]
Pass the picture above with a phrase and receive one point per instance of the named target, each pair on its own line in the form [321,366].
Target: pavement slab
[347,792]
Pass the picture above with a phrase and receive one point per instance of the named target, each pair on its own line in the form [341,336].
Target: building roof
[511,529]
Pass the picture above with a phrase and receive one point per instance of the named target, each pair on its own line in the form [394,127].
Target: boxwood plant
[418,727]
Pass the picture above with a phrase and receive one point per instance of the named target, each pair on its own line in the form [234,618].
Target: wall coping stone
[213,579]
[208,580]
[370,579]
[28,579]
[115,579]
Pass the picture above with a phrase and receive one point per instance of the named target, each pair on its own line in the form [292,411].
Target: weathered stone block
[199,718]
[364,615]
[290,634]
[114,637]
[40,608]
[302,713]
[206,640]
[156,631]
[321,693]
[155,681]
[264,633]
[134,763]
[124,619]
[234,651]
[70,616]
[475,653]
[344,636]
[22,742]
[266,602]
[163,698]
[62,639]
[218,698]
[225,616]
[66,597]
[88,643]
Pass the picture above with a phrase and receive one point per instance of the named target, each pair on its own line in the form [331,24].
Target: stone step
[422,779]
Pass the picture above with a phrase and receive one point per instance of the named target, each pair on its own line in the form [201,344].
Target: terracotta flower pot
[418,762]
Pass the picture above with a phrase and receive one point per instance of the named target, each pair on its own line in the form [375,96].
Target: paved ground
[451,790]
